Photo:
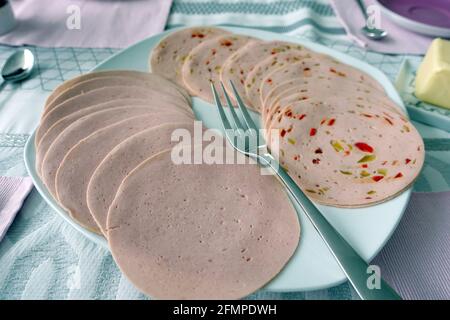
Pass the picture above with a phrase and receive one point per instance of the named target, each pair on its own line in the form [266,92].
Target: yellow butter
[433,76]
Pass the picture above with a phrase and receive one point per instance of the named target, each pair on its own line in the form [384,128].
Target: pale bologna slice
[347,155]
[63,123]
[204,63]
[168,56]
[80,162]
[151,79]
[77,131]
[89,85]
[199,242]
[95,97]
[121,160]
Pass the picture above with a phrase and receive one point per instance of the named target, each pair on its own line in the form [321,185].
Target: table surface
[42,257]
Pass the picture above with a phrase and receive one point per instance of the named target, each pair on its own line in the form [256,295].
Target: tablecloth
[42,257]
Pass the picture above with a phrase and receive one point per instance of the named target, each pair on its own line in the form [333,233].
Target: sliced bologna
[64,122]
[321,87]
[257,75]
[78,165]
[197,242]
[92,84]
[204,63]
[238,66]
[98,96]
[347,154]
[168,56]
[121,160]
[76,132]
[314,66]
[150,79]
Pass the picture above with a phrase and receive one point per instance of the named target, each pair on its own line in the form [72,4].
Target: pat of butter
[433,76]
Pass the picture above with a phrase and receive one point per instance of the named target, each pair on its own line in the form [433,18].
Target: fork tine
[236,119]
[225,122]
[247,118]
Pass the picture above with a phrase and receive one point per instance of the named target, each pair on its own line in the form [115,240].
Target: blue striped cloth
[42,257]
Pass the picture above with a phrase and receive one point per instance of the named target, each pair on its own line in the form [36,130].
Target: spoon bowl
[374,33]
[371,33]
[18,66]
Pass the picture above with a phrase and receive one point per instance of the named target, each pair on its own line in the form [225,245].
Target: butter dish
[418,110]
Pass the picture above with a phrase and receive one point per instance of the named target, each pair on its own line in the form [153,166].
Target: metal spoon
[18,66]
[371,33]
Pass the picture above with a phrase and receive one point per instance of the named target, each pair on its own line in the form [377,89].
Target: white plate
[312,266]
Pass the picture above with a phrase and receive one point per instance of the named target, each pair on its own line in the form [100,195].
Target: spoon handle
[362,6]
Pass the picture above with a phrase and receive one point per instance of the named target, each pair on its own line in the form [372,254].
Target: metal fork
[354,267]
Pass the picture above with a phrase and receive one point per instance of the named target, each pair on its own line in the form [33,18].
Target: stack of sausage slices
[104,150]
[332,126]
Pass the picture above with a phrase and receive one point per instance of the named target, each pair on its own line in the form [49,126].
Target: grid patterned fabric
[55,65]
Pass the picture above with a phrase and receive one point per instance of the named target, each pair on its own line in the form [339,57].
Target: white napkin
[13,192]
[86,23]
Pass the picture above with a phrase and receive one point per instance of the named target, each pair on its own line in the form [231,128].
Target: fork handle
[354,267]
